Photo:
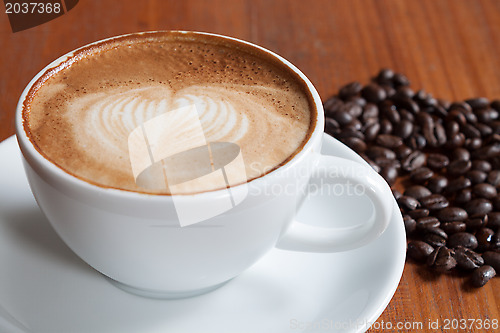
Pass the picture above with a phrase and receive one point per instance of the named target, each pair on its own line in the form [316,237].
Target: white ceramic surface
[46,288]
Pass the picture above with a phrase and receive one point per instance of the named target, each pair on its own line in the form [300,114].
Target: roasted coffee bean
[388,111]
[419,251]
[460,154]
[488,151]
[459,167]
[410,224]
[452,128]
[370,110]
[405,92]
[350,89]
[464,239]
[440,134]
[484,237]
[493,259]
[417,141]
[384,77]
[420,96]
[413,161]
[460,106]
[456,141]
[436,231]
[373,93]
[354,125]
[482,275]
[427,222]
[376,151]
[494,220]
[451,214]
[350,133]
[406,115]
[437,183]
[389,91]
[372,131]
[457,184]
[352,108]
[388,141]
[383,162]
[476,176]
[331,126]
[440,111]
[402,151]
[441,259]
[467,259]
[478,206]
[437,161]
[417,191]
[486,115]
[434,240]
[400,80]
[426,122]
[385,126]
[494,178]
[457,116]
[404,129]
[421,175]
[476,221]
[332,105]
[389,173]
[358,100]
[434,201]
[343,118]
[418,213]
[453,227]
[473,143]
[355,144]
[478,102]
[408,203]
[470,131]
[484,190]
[484,129]
[481,165]
[463,196]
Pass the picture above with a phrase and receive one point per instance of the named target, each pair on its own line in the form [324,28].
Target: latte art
[106,119]
[82,116]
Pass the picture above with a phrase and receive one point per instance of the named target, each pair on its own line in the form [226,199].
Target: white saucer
[45,288]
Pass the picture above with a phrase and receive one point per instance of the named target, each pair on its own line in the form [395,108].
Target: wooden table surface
[450,48]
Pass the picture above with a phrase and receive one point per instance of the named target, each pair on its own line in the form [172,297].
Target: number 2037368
[33,7]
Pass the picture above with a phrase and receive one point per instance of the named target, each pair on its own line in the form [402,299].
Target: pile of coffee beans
[442,161]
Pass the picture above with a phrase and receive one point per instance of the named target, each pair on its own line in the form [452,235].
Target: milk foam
[83,123]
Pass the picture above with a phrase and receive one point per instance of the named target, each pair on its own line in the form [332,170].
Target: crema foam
[80,114]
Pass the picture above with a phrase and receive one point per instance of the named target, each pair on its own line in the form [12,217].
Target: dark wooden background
[450,48]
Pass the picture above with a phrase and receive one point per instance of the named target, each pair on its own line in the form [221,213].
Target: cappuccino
[82,114]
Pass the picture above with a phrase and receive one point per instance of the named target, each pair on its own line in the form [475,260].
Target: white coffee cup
[136,240]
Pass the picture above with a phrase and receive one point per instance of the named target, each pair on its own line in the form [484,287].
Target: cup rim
[27,147]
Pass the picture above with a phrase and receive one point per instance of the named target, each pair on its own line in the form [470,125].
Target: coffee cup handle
[336,170]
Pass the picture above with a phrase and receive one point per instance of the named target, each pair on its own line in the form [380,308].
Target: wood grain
[450,48]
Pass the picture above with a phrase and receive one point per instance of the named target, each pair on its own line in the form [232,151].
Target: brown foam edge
[108,44]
